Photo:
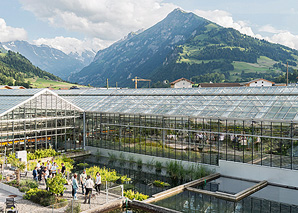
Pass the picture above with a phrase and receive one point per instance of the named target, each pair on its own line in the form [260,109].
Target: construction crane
[136,79]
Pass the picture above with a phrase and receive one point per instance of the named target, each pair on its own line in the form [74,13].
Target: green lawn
[43,83]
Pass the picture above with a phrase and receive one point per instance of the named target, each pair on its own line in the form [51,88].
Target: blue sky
[76,25]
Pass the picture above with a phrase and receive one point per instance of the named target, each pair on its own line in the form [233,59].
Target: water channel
[269,199]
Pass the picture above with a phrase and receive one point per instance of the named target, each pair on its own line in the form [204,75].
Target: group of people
[87,185]
[43,172]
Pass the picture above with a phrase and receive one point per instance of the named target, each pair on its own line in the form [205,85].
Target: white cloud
[8,33]
[225,19]
[104,19]
[285,38]
[73,45]
[269,29]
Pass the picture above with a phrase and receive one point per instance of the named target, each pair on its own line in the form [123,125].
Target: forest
[15,68]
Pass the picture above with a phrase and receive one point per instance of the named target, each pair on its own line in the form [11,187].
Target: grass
[43,83]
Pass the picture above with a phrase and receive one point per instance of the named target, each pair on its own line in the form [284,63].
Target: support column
[163,137]
[84,130]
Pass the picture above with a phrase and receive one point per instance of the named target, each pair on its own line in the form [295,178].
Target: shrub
[47,201]
[56,184]
[42,153]
[76,208]
[31,184]
[106,174]
[24,189]
[66,159]
[82,165]
[159,183]
[135,195]
[158,166]
[40,196]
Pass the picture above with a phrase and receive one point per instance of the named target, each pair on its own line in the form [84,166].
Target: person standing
[75,186]
[46,176]
[49,166]
[34,173]
[54,169]
[98,182]
[83,178]
[63,169]
[89,185]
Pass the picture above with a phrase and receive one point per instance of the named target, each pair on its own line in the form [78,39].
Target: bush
[47,201]
[24,189]
[106,174]
[40,196]
[158,166]
[76,208]
[42,153]
[135,195]
[159,183]
[56,184]
[31,184]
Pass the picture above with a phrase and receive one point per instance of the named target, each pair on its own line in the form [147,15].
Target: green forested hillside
[15,68]
[220,54]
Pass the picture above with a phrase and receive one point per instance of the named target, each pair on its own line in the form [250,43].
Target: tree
[56,184]
[19,166]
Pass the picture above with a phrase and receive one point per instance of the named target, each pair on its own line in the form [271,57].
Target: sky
[79,25]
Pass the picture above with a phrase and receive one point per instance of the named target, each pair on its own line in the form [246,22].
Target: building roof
[5,87]
[17,87]
[259,79]
[181,79]
[257,103]
[220,85]
[251,103]
[11,99]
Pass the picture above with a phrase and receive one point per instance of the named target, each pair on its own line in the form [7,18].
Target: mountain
[15,69]
[186,45]
[51,59]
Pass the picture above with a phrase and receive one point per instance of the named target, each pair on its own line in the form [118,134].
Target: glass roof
[269,103]
[10,98]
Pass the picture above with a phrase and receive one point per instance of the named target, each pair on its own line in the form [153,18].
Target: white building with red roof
[182,83]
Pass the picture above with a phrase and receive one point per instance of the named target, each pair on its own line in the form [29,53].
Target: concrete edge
[11,189]
[107,206]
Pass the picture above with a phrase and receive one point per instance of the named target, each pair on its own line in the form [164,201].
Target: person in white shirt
[54,169]
[49,166]
[98,182]
[89,185]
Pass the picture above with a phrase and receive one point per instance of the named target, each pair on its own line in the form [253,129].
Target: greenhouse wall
[44,121]
[201,140]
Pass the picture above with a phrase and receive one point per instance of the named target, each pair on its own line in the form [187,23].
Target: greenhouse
[37,118]
[204,125]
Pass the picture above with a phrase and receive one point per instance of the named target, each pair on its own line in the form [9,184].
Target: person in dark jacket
[34,173]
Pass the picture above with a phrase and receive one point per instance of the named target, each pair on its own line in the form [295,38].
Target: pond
[269,199]
[142,178]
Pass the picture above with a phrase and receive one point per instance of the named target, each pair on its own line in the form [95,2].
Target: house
[259,83]
[182,83]
[5,87]
[17,87]
[219,85]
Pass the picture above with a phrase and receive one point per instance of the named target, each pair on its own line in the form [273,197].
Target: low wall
[145,158]
[11,189]
[274,175]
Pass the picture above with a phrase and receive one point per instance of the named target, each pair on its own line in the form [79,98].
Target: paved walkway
[24,206]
